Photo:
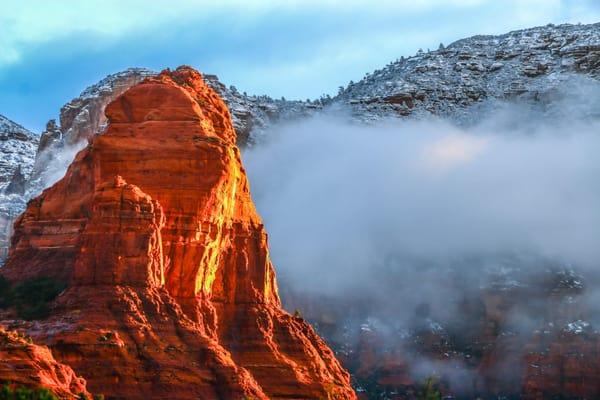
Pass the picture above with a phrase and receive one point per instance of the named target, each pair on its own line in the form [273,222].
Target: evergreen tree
[430,392]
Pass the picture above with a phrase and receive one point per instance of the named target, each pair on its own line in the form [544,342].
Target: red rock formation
[562,366]
[25,364]
[80,119]
[171,289]
[480,353]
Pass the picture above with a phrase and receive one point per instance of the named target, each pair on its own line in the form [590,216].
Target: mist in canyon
[405,222]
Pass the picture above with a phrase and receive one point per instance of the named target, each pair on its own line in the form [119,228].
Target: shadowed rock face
[171,290]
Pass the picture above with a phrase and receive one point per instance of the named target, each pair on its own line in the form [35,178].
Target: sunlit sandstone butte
[171,292]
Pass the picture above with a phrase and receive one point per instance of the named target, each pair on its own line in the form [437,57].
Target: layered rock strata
[25,364]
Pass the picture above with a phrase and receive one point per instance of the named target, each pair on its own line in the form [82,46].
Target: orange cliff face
[171,290]
[25,364]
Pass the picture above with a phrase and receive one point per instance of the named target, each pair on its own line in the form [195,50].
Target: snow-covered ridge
[17,154]
[11,130]
[17,148]
[107,84]
[83,116]
[447,82]
[253,115]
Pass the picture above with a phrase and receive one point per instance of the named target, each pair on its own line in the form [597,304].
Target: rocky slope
[171,292]
[17,146]
[253,115]
[17,150]
[27,365]
[450,82]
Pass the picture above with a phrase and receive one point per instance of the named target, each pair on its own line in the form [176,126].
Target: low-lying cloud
[412,225]
[338,199]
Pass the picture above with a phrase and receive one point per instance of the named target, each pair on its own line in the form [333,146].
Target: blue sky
[51,50]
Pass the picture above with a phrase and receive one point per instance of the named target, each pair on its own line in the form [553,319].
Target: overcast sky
[51,50]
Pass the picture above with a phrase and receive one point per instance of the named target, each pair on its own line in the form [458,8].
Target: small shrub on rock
[12,392]
[31,297]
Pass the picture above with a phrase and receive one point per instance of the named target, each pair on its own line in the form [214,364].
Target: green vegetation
[30,297]
[429,391]
[84,397]
[14,392]
[11,392]
[5,292]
